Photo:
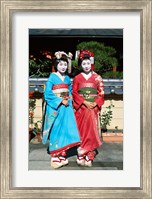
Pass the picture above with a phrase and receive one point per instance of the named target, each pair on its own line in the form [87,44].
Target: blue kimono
[59,122]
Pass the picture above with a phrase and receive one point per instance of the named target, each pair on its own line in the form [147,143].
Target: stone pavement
[109,157]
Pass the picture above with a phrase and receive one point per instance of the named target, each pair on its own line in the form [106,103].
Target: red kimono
[87,119]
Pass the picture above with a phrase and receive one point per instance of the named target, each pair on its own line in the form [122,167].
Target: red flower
[31,114]
[48,56]
[31,94]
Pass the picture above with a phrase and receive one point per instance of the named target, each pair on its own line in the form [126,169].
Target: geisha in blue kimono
[60,126]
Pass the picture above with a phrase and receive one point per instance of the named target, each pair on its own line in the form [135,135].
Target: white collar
[62,77]
[86,76]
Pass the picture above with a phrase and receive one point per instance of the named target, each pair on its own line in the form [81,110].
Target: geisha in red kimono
[88,97]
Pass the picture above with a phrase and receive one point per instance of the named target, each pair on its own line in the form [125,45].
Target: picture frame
[8,7]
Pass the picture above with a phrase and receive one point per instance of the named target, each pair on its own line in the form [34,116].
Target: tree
[40,65]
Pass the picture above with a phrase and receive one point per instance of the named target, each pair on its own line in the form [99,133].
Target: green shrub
[112,75]
[106,117]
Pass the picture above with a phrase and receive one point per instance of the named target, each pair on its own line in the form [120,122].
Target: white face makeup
[62,66]
[86,65]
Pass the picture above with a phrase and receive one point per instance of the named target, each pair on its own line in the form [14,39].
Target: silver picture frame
[8,7]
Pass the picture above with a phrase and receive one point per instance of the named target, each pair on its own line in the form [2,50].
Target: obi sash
[88,91]
[61,90]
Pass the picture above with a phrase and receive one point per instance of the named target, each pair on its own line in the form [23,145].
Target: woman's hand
[66,97]
[94,104]
[89,105]
[65,102]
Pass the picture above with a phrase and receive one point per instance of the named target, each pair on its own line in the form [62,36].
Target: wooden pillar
[114,71]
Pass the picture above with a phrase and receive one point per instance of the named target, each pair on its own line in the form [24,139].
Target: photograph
[81,65]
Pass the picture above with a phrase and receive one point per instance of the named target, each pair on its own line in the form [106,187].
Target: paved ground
[110,157]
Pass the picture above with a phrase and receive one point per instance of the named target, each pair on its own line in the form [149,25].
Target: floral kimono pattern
[59,122]
[92,90]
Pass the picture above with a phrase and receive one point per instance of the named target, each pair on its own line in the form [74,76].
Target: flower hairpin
[59,54]
[70,55]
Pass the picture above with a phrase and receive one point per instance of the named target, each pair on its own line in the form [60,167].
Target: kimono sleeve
[77,99]
[51,99]
[100,89]
[70,90]
[69,86]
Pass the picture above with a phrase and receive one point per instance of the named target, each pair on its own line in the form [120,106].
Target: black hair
[86,56]
[56,61]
